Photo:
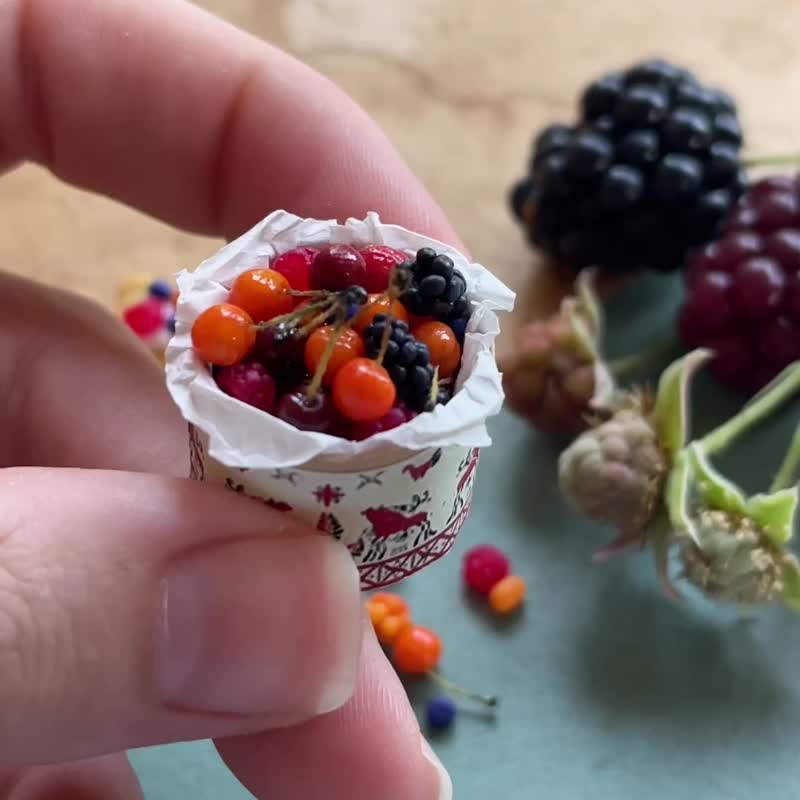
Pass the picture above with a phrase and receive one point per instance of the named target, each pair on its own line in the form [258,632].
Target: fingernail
[445,783]
[260,626]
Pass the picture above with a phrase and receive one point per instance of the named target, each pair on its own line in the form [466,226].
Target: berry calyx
[348,346]
[380,260]
[483,567]
[416,651]
[313,413]
[378,304]
[262,293]
[363,391]
[445,352]
[295,266]
[507,595]
[223,335]
[249,382]
[337,267]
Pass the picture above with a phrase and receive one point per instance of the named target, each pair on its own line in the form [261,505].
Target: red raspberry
[743,291]
[483,567]
[250,383]
[295,266]
[379,260]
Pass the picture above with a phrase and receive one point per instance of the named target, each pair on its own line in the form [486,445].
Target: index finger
[169,109]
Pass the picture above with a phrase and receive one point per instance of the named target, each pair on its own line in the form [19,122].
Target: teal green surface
[608,691]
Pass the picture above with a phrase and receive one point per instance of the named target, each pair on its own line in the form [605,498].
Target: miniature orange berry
[391,626]
[416,650]
[443,346]
[262,293]
[393,602]
[348,346]
[377,613]
[379,304]
[507,594]
[223,335]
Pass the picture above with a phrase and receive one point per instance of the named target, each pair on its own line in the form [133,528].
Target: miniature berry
[281,349]
[380,260]
[507,595]
[295,266]
[437,290]
[393,603]
[440,713]
[442,345]
[249,382]
[262,293]
[145,318]
[394,418]
[348,346]
[650,169]
[378,305]
[742,290]
[315,413]
[363,390]
[416,650]
[483,567]
[161,290]
[223,335]
[338,267]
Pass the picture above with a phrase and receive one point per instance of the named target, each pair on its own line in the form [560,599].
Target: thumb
[136,610]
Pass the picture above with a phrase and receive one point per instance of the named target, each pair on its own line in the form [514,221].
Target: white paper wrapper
[396,499]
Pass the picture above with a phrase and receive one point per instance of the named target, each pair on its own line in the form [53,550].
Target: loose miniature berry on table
[507,595]
[145,318]
[440,713]
[160,290]
[483,567]
[223,335]
[337,268]
[442,344]
[348,346]
[295,266]
[416,651]
[249,382]
[389,615]
[363,391]
[380,260]
[743,289]
[650,170]
[262,293]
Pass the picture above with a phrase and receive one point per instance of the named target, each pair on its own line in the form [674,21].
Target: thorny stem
[490,700]
[786,476]
[784,160]
[753,413]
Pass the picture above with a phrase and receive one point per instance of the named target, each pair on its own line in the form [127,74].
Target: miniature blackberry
[650,170]
[407,361]
[436,289]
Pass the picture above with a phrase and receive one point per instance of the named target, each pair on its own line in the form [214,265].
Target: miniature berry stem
[296,315]
[784,160]
[753,413]
[391,295]
[316,321]
[486,699]
[786,476]
[316,381]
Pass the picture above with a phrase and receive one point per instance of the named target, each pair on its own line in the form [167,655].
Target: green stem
[487,700]
[753,413]
[620,367]
[786,476]
[785,160]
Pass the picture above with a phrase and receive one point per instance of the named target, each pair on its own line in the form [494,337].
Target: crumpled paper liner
[398,499]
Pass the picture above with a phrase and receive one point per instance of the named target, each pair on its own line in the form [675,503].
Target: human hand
[137,609]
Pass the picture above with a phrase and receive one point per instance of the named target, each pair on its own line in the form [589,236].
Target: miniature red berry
[394,418]
[262,293]
[223,335]
[378,304]
[249,382]
[337,267]
[295,266]
[443,346]
[305,413]
[348,346]
[483,567]
[416,650]
[363,390]
[145,318]
[380,260]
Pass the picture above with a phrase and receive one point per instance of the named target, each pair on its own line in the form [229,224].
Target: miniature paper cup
[397,499]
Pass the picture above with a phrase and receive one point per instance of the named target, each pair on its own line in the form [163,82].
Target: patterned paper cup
[397,499]
[395,519]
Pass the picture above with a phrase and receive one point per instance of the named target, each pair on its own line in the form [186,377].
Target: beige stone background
[460,86]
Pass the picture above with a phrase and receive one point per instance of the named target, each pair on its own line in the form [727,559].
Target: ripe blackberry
[436,289]
[650,169]
[407,361]
[743,290]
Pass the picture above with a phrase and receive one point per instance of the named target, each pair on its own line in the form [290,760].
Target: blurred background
[460,86]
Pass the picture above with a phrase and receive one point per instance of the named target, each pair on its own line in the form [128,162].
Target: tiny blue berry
[160,290]
[170,323]
[441,712]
